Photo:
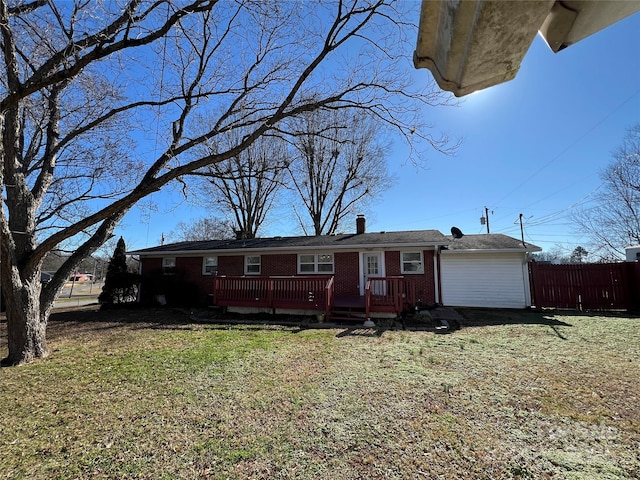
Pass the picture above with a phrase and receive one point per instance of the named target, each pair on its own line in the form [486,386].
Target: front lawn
[149,394]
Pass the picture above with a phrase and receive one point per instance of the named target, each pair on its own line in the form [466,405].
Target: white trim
[165,267]
[490,250]
[292,249]
[246,265]
[316,262]
[204,265]
[525,281]
[361,255]
[420,271]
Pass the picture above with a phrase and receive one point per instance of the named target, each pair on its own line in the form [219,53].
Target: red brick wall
[347,276]
[279,264]
[232,266]
[392,263]
[424,283]
[151,264]
[190,268]
[188,284]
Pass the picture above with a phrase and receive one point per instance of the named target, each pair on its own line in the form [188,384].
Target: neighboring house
[345,276]
[632,253]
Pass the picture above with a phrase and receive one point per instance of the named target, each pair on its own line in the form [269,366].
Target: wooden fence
[592,286]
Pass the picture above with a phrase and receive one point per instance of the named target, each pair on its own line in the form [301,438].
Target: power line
[570,146]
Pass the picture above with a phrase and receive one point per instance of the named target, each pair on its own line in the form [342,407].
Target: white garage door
[484,280]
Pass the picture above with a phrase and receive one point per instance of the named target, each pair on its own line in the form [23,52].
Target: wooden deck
[350,301]
[312,293]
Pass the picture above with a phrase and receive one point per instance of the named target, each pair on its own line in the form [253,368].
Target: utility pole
[485,219]
[522,231]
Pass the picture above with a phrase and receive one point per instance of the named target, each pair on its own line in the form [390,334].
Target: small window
[307,263]
[169,266]
[315,263]
[412,262]
[210,265]
[252,264]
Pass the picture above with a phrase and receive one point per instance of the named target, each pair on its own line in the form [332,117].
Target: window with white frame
[252,264]
[210,265]
[169,266]
[411,262]
[315,263]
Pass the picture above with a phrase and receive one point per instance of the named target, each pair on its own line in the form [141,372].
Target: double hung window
[252,265]
[169,266]
[315,263]
[210,265]
[411,262]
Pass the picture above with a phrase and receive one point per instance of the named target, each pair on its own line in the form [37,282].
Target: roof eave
[528,249]
[290,249]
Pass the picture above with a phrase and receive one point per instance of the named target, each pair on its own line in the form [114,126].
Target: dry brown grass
[148,394]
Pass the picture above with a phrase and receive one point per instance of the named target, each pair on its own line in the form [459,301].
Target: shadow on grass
[483,317]
[93,318]
[360,332]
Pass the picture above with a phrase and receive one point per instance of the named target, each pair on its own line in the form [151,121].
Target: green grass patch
[151,395]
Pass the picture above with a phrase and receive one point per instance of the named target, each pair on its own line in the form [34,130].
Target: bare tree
[245,186]
[202,229]
[555,255]
[613,221]
[98,101]
[339,165]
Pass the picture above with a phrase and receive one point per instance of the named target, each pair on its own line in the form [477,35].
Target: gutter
[492,250]
[290,249]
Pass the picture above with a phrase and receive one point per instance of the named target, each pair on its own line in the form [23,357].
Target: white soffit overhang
[473,44]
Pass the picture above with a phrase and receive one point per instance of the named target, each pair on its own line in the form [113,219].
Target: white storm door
[372,267]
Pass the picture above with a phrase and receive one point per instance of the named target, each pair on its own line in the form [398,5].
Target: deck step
[348,314]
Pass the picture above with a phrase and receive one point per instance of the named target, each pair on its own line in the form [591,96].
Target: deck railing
[272,292]
[386,294]
[329,295]
[383,294]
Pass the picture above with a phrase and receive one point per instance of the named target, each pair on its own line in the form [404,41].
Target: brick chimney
[360,224]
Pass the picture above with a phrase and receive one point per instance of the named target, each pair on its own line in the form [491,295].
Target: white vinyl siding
[484,280]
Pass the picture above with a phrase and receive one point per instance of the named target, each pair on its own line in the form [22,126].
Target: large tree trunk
[26,322]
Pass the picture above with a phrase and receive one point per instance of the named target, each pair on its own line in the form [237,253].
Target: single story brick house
[344,276]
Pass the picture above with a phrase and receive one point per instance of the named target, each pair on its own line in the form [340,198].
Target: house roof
[403,239]
[413,238]
[491,242]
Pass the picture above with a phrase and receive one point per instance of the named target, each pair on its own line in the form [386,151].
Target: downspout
[436,275]
[525,282]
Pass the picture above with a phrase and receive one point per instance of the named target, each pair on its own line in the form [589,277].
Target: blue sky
[534,145]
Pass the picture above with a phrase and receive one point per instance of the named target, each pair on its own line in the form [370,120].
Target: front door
[372,267]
